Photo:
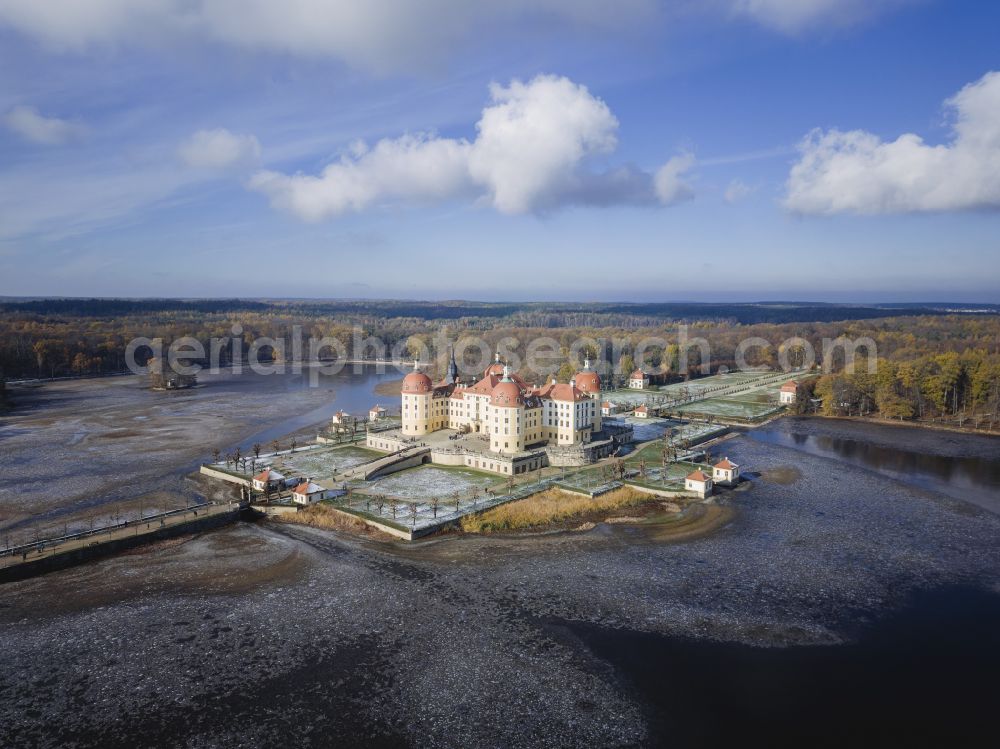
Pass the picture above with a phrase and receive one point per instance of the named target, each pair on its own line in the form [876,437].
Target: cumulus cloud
[532,139]
[793,16]
[379,34]
[858,172]
[411,167]
[530,154]
[50,131]
[219,149]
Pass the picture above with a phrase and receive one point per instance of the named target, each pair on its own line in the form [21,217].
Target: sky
[704,150]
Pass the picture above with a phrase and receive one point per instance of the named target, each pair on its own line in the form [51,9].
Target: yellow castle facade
[514,414]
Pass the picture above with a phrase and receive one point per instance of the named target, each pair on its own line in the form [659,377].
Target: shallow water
[907,681]
[972,478]
[355,394]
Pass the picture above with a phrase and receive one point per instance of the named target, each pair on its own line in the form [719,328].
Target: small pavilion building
[268,479]
[725,472]
[699,483]
[789,393]
[307,492]
[638,380]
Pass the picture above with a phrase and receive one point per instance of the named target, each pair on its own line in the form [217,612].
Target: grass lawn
[429,481]
[323,463]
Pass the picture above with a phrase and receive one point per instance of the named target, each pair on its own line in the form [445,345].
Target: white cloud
[793,16]
[669,181]
[375,34]
[532,139]
[219,149]
[532,145]
[410,167]
[857,172]
[28,123]
[737,190]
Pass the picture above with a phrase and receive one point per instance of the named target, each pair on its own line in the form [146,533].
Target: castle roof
[588,382]
[725,465]
[561,391]
[697,476]
[417,382]
[638,375]
[506,394]
[587,379]
[485,386]
[790,387]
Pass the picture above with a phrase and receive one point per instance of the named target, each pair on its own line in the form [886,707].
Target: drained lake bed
[266,633]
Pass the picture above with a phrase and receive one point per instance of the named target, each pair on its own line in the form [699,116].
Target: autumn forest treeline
[928,364]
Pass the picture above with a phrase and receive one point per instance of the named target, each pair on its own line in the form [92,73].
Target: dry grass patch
[323,516]
[550,506]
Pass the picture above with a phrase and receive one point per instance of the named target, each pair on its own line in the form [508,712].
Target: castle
[512,413]
[502,423]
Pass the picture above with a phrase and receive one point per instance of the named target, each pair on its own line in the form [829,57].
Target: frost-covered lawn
[596,478]
[427,482]
[430,495]
[730,407]
[323,463]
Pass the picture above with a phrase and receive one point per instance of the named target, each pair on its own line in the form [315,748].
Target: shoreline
[901,423]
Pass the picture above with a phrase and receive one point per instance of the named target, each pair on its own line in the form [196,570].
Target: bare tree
[619,468]
[216,454]
[256,450]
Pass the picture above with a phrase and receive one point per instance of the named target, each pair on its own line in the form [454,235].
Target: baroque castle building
[514,415]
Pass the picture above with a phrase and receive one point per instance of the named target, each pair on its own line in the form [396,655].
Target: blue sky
[629,151]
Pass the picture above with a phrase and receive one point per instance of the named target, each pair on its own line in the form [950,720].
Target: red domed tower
[588,381]
[417,382]
[416,396]
[504,417]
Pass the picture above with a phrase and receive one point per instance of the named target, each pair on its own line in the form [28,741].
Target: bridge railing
[42,543]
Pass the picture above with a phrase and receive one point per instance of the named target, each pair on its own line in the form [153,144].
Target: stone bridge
[407,458]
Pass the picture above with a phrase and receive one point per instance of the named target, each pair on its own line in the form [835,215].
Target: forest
[930,364]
